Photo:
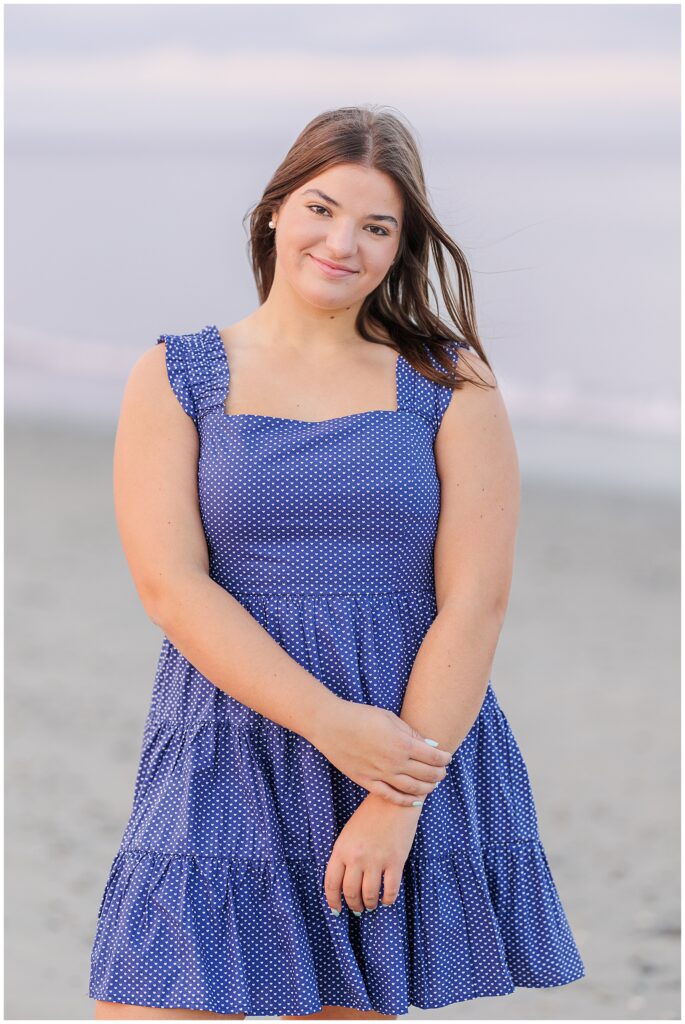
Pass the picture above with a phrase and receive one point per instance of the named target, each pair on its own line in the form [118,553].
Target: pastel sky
[494,70]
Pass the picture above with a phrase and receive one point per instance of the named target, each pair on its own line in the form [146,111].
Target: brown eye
[379,232]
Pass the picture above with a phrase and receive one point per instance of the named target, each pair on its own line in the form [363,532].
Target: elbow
[154,605]
[478,612]
[168,598]
[159,600]
[496,611]
[500,608]
[155,614]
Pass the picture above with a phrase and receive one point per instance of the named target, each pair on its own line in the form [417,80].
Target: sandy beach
[587,672]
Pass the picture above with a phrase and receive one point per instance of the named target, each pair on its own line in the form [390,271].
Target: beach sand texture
[587,672]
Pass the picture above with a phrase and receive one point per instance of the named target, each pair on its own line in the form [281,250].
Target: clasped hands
[386,756]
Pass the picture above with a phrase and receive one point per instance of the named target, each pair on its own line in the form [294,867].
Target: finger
[352,888]
[422,773]
[371,886]
[425,751]
[332,883]
[392,878]
[408,784]
[394,796]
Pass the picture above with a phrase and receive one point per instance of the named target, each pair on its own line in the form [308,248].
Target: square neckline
[288,419]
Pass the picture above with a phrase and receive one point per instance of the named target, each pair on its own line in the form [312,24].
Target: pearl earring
[271,224]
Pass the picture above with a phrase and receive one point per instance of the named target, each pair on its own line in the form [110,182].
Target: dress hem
[401,1011]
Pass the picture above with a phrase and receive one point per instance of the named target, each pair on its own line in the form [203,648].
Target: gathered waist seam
[334,593]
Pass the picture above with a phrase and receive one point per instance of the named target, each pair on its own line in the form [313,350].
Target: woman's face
[349,215]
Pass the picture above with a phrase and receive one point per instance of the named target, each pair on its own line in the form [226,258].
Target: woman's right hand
[380,751]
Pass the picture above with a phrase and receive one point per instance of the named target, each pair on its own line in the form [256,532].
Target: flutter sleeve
[177,372]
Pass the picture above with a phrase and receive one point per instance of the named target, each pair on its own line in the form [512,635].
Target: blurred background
[137,138]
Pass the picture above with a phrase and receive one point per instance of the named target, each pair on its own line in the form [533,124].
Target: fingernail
[433,743]
[334,912]
[417,803]
[357,913]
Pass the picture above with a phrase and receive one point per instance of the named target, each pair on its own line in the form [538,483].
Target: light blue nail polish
[417,803]
[357,913]
[433,743]
[334,912]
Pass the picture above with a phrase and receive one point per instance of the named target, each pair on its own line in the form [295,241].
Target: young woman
[318,505]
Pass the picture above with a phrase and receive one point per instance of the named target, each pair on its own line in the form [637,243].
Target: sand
[587,672]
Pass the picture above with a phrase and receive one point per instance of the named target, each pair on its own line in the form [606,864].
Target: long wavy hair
[398,307]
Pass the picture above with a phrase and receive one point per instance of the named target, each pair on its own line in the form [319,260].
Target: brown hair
[399,305]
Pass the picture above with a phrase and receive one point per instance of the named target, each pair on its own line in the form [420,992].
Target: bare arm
[158,516]
[474,555]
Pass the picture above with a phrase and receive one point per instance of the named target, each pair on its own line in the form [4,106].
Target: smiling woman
[331,817]
[340,240]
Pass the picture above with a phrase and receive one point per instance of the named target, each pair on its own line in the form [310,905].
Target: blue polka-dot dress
[324,531]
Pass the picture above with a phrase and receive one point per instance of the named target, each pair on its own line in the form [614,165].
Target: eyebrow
[370,216]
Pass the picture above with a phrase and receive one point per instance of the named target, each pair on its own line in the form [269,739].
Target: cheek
[301,235]
[377,263]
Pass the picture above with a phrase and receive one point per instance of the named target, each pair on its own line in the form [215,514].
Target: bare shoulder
[150,361]
[156,394]
[477,398]
[476,420]
[471,366]
[147,378]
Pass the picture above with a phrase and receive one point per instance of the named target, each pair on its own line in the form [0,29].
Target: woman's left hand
[374,844]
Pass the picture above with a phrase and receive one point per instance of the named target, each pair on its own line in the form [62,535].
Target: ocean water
[574,257]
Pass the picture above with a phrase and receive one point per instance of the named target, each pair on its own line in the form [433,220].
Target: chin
[329,302]
[325,295]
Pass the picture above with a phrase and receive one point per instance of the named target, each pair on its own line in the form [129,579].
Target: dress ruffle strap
[423,396]
[196,367]
[177,371]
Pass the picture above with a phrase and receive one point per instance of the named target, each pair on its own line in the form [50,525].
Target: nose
[340,243]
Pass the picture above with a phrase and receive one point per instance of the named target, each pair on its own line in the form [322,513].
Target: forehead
[353,185]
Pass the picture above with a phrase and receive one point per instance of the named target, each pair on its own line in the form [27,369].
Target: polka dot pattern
[324,531]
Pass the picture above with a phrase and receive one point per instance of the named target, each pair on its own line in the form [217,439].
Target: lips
[333,269]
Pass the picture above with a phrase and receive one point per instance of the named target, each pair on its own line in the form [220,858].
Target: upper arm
[155,480]
[479,476]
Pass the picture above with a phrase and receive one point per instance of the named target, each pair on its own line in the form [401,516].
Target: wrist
[322,712]
[400,811]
